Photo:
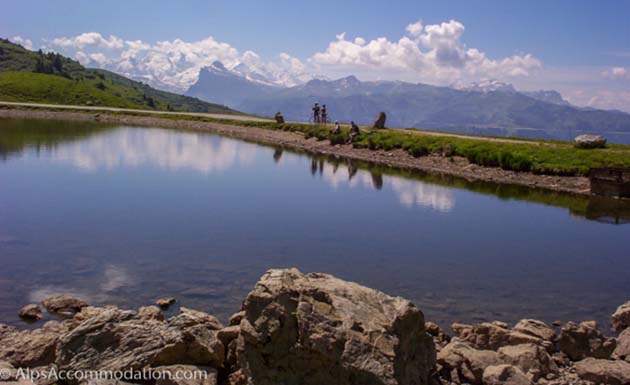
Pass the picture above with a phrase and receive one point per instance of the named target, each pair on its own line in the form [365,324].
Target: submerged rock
[621,317]
[604,371]
[317,329]
[63,304]
[582,340]
[31,312]
[165,303]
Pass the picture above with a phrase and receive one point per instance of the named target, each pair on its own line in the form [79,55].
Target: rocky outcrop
[63,304]
[532,359]
[607,372]
[459,362]
[120,340]
[622,351]
[31,348]
[505,375]
[317,329]
[440,338]
[582,340]
[590,141]
[493,335]
[621,317]
[31,312]
[535,328]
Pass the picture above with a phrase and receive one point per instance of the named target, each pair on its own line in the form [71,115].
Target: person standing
[324,120]
[316,113]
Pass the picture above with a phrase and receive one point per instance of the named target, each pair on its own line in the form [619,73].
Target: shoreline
[455,166]
[360,335]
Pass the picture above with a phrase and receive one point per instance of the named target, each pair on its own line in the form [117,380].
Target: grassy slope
[29,76]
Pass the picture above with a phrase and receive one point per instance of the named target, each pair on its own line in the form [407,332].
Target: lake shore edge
[455,166]
[292,325]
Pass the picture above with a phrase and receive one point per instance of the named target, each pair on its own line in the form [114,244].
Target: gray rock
[622,351]
[120,340]
[604,371]
[621,317]
[582,340]
[535,328]
[31,312]
[491,336]
[31,348]
[189,317]
[317,329]
[590,141]
[460,362]
[379,122]
[165,303]
[185,375]
[505,375]
[63,304]
[532,359]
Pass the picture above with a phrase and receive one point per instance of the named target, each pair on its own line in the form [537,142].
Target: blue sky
[574,41]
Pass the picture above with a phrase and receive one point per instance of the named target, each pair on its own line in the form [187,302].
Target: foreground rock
[459,362]
[493,335]
[622,351]
[583,340]
[193,375]
[604,371]
[317,329]
[31,312]
[504,375]
[532,359]
[63,305]
[621,317]
[590,141]
[30,348]
[119,340]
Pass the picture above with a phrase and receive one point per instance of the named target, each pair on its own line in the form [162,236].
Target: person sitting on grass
[336,130]
[354,132]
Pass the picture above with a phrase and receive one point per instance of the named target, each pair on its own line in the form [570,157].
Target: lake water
[124,215]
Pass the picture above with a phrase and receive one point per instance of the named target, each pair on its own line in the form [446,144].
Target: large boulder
[64,304]
[114,339]
[604,371]
[582,340]
[590,141]
[317,329]
[31,348]
[621,317]
[535,328]
[532,359]
[505,375]
[379,122]
[493,335]
[460,362]
[622,351]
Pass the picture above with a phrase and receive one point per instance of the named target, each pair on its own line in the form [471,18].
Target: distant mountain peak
[485,86]
[218,66]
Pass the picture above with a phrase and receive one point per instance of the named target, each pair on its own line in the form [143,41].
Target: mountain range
[490,107]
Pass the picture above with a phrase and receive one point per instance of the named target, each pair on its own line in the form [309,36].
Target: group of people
[320,116]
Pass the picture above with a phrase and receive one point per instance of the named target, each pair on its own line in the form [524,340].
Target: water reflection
[171,150]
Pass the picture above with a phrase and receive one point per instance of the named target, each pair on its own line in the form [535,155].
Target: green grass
[28,76]
[540,157]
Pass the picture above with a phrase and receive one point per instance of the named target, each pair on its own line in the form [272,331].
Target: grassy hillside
[28,76]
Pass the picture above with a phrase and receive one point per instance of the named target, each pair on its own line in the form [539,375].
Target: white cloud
[26,43]
[89,39]
[617,73]
[433,53]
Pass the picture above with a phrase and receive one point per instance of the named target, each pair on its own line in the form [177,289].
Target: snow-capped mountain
[485,86]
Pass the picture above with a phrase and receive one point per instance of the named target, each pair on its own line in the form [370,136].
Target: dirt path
[114,109]
[435,164]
